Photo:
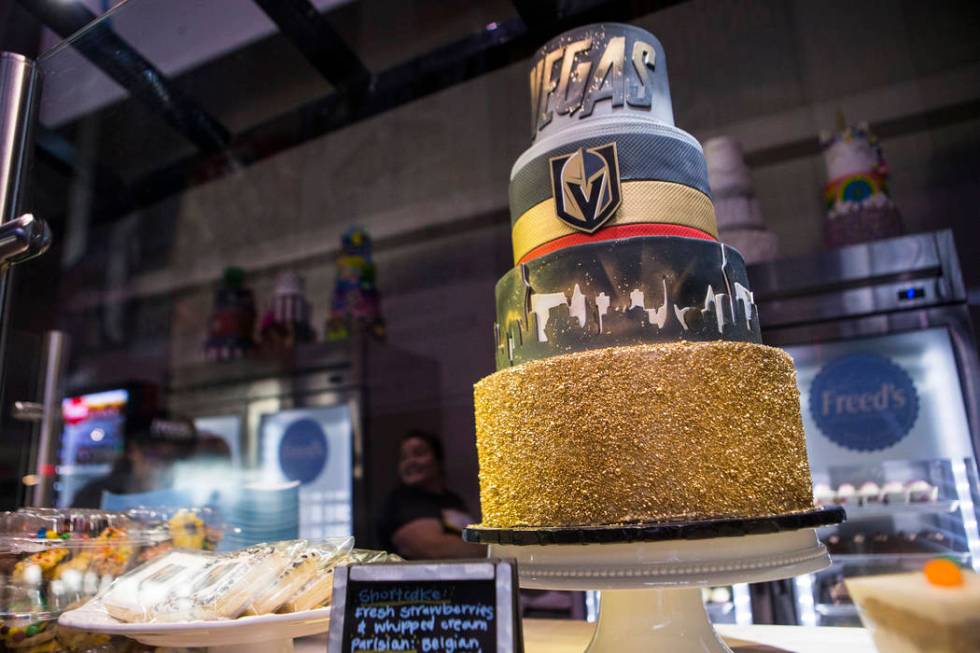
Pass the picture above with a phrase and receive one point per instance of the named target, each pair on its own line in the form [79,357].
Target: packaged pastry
[136,596]
[184,585]
[298,584]
[317,590]
[301,570]
[221,592]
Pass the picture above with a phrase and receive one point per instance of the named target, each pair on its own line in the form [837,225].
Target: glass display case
[907,501]
[886,369]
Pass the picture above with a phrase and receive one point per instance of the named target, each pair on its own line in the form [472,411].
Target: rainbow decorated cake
[631,384]
[859,207]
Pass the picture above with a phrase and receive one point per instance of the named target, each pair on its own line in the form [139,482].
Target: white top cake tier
[727,172]
[596,71]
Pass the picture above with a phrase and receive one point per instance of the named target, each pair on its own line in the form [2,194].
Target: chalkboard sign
[424,607]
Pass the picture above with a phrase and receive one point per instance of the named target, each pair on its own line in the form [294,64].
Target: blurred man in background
[153,445]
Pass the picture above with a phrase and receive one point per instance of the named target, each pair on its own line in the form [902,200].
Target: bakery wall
[429,181]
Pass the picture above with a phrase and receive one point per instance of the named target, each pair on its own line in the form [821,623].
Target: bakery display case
[886,365]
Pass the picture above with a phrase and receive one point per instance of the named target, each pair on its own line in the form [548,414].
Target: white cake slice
[909,614]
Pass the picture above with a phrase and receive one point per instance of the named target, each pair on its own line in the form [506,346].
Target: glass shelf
[894,559]
[837,610]
[880,510]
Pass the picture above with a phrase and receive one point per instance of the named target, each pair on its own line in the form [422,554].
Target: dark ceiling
[172,137]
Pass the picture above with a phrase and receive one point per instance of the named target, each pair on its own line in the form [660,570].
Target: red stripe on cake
[614,232]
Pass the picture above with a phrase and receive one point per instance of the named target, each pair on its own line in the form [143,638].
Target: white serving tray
[270,633]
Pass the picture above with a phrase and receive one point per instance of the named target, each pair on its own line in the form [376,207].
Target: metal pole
[23,236]
[20,88]
[54,362]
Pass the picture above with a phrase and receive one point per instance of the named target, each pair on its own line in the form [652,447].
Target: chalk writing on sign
[425,608]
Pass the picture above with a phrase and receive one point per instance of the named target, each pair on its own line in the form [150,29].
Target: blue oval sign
[864,402]
[303,451]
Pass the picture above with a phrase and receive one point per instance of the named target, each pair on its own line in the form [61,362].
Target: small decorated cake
[232,325]
[737,211]
[356,304]
[859,208]
[936,610]
[287,322]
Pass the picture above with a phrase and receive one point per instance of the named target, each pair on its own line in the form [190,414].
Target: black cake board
[656,531]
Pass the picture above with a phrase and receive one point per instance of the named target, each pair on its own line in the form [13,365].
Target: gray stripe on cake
[654,157]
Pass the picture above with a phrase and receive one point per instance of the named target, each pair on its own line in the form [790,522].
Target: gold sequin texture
[645,433]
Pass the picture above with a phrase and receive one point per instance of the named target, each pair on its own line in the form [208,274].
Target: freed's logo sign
[864,402]
[885,398]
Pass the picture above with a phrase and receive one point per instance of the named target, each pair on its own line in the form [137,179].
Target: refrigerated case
[886,365]
[93,428]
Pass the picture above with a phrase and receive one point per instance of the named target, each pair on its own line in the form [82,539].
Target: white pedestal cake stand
[650,576]
[271,633]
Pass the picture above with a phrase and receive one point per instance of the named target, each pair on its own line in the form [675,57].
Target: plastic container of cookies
[52,561]
[166,529]
[55,560]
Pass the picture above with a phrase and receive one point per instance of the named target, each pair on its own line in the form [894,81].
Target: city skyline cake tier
[631,386]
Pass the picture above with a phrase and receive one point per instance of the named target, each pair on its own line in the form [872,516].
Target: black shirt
[406,504]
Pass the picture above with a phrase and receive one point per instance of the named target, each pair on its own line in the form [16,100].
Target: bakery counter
[562,636]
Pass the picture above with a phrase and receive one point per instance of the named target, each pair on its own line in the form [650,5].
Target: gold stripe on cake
[643,202]
[643,433]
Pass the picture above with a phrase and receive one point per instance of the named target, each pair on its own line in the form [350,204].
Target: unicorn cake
[631,382]
[859,207]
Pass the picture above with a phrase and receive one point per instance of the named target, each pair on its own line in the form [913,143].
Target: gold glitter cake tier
[646,433]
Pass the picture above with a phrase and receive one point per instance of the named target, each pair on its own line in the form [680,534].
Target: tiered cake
[737,211]
[631,386]
[859,207]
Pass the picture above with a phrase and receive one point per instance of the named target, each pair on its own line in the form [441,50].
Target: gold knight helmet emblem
[585,186]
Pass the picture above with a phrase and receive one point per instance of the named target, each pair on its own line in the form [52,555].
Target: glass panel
[212,203]
[313,446]
[888,438]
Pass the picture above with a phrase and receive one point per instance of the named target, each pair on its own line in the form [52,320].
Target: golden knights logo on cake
[585,185]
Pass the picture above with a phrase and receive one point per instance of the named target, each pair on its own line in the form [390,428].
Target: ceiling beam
[98,43]
[494,47]
[310,33]
[538,15]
